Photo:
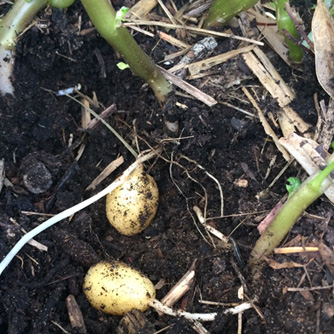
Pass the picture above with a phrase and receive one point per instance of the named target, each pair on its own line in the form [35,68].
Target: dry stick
[60,327]
[269,131]
[164,329]
[31,213]
[198,30]
[291,250]
[315,288]
[209,228]
[74,209]
[239,214]
[118,136]
[198,327]
[187,87]
[175,54]
[197,316]
[257,310]
[167,12]
[104,114]
[105,173]
[181,287]
[238,109]
[31,242]
[206,64]
[174,41]
[195,9]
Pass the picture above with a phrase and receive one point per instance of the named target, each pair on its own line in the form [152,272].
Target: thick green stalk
[311,189]
[284,22]
[103,15]
[221,11]
[18,17]
[61,3]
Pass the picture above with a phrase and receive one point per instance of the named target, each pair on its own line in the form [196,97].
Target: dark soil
[35,130]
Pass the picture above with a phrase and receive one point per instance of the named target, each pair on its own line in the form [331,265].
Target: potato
[115,288]
[132,206]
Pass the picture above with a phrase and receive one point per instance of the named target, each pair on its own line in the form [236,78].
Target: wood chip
[75,315]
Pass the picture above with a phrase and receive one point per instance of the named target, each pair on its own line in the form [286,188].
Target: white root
[7,59]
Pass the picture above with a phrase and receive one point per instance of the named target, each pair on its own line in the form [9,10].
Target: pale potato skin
[115,288]
[132,206]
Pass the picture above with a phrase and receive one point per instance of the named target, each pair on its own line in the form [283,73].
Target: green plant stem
[17,19]
[103,15]
[311,189]
[221,11]
[61,3]
[12,24]
[21,15]
[284,22]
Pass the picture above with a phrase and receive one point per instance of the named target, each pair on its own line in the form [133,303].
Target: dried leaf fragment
[323,38]
[285,265]
[327,255]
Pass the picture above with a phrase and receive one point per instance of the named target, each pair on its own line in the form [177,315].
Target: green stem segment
[222,11]
[102,14]
[306,194]
[19,16]
[284,22]
[61,3]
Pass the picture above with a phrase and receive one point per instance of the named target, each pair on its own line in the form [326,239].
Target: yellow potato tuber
[115,288]
[132,206]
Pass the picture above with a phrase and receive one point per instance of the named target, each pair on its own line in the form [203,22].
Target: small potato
[115,288]
[132,206]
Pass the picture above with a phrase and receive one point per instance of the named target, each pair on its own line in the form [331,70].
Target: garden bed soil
[40,134]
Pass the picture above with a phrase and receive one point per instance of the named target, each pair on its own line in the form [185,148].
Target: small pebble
[37,178]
